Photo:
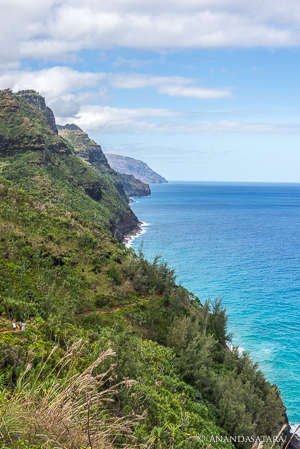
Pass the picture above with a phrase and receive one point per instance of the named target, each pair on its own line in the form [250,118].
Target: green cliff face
[38,101]
[133,186]
[130,166]
[34,158]
[92,154]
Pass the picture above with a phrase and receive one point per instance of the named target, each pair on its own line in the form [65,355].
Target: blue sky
[204,90]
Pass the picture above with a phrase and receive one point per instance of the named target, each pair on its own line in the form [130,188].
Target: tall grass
[64,408]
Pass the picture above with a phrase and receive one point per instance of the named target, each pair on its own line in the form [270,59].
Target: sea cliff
[130,166]
[39,161]
[91,153]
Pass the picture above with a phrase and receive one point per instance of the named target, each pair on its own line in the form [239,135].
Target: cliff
[38,101]
[130,166]
[39,161]
[133,186]
[90,152]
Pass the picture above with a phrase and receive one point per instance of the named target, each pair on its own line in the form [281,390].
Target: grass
[66,408]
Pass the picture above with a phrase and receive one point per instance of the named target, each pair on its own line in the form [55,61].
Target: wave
[129,240]
[294,427]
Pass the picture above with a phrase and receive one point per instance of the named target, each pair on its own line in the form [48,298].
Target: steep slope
[38,101]
[130,166]
[92,154]
[133,186]
[34,158]
[69,280]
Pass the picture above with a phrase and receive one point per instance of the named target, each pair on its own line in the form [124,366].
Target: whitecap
[129,240]
[294,427]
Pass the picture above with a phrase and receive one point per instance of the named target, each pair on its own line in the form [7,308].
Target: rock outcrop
[35,99]
[133,186]
[91,153]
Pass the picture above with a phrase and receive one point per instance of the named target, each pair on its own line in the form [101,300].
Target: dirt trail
[113,309]
[9,330]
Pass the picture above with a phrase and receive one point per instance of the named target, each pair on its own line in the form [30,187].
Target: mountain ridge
[36,159]
[135,167]
[91,152]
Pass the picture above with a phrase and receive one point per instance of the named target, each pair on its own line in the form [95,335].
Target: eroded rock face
[38,101]
[91,153]
[23,128]
[128,223]
[84,147]
[287,434]
[133,186]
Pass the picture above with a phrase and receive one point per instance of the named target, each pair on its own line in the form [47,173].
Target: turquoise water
[240,242]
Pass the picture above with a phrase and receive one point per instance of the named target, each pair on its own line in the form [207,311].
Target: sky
[201,90]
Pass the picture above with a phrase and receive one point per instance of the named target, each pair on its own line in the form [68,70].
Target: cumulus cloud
[193,92]
[105,119]
[56,30]
[58,85]
[108,119]
[51,83]
[137,81]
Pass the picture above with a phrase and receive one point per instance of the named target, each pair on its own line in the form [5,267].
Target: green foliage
[239,392]
[147,277]
[114,274]
[133,186]
[92,154]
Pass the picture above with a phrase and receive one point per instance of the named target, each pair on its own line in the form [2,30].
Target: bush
[114,274]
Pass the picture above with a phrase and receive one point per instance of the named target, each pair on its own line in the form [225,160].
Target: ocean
[240,242]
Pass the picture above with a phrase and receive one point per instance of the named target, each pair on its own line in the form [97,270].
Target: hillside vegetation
[34,158]
[91,153]
[116,353]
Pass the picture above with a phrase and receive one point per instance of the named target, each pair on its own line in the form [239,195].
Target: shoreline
[129,238]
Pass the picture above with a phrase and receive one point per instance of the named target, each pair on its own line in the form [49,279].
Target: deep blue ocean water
[240,242]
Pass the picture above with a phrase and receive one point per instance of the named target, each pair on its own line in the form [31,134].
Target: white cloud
[175,86]
[194,92]
[56,30]
[105,119]
[108,119]
[57,85]
[137,81]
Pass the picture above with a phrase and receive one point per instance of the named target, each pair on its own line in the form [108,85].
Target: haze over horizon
[201,90]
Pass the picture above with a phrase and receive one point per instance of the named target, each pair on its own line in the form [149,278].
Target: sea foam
[129,240]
